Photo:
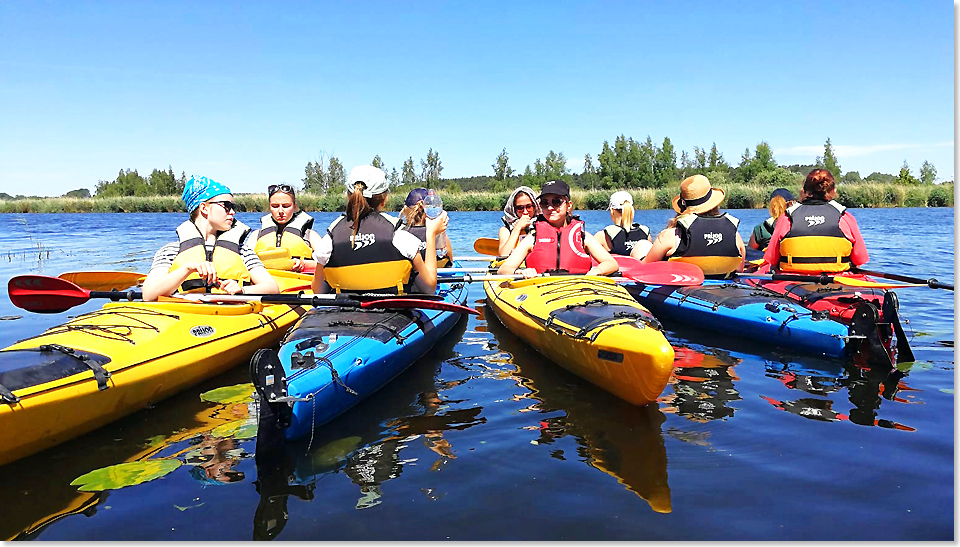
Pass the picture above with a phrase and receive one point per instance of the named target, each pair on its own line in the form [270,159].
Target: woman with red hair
[818,234]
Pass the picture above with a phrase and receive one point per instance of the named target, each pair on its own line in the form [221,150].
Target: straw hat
[697,196]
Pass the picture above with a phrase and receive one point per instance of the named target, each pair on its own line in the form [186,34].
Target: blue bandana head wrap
[198,190]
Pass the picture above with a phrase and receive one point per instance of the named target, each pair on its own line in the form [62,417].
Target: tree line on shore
[627,164]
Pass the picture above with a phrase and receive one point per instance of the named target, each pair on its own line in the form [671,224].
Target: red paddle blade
[664,273]
[44,294]
[385,303]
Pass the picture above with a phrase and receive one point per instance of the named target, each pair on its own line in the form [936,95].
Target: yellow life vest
[815,242]
[291,237]
[368,262]
[225,254]
[708,242]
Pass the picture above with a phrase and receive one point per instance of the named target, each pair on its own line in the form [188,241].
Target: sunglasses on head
[228,206]
[527,207]
[274,188]
[551,202]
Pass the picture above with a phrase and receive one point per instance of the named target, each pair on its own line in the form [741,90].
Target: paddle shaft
[932,282]
[823,279]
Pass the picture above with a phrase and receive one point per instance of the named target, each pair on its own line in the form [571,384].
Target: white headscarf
[510,212]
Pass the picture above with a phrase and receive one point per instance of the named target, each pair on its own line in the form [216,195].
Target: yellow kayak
[590,326]
[103,365]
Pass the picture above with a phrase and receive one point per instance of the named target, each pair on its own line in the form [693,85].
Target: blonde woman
[624,236]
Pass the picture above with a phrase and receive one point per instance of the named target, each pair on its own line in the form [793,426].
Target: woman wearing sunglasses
[518,216]
[365,251]
[287,227]
[700,234]
[212,249]
[559,241]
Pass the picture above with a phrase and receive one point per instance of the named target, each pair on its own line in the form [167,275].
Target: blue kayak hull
[736,309]
[366,349]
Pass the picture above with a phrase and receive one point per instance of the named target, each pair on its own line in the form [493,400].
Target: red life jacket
[559,249]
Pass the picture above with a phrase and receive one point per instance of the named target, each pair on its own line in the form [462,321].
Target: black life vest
[368,262]
[815,242]
[708,242]
[443,260]
[623,241]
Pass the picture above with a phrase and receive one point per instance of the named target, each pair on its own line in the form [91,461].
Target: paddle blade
[856,282]
[390,303]
[665,273]
[487,246]
[44,294]
[105,280]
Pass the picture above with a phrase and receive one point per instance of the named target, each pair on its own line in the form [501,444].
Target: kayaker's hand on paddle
[207,272]
[527,273]
[230,286]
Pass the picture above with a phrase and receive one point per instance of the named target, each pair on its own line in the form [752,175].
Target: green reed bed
[738,196]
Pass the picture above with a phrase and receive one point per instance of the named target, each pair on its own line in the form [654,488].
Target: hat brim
[716,198]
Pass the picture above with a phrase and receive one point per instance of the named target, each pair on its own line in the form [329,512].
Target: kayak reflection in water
[212,250]
[559,241]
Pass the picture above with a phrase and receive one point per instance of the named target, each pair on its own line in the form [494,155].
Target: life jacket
[559,250]
[225,254]
[370,262]
[624,241]
[443,261]
[710,243]
[292,236]
[815,242]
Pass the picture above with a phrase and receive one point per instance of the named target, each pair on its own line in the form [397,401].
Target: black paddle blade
[891,315]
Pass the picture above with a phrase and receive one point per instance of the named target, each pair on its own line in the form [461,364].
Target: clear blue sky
[248,92]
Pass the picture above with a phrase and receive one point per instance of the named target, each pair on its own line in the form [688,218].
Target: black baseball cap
[557,187]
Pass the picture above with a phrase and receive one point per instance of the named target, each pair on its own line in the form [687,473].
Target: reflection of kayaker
[213,461]
[703,383]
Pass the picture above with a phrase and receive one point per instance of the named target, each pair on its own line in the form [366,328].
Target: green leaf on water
[948,391]
[187,507]
[238,429]
[228,394]
[125,474]
[156,440]
[336,451]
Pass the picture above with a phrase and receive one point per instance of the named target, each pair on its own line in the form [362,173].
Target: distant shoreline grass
[739,196]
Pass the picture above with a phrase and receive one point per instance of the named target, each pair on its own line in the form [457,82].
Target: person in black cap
[559,240]
[780,199]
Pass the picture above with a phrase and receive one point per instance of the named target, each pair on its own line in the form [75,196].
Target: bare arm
[508,240]
[427,267]
[517,256]
[604,240]
[663,244]
[743,252]
[606,264]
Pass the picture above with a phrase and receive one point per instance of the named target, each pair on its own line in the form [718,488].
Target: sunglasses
[552,202]
[274,188]
[228,206]
[527,207]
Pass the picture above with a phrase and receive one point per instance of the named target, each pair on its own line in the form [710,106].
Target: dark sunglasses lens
[274,188]
[554,202]
[228,206]
[527,207]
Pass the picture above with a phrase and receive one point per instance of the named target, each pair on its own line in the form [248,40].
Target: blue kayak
[752,313]
[335,357]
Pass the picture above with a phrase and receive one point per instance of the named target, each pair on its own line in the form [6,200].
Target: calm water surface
[484,439]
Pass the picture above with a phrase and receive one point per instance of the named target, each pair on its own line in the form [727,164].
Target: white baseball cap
[374,180]
[618,198]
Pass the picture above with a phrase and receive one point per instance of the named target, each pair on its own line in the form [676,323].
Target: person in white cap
[365,251]
[624,236]
[700,234]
